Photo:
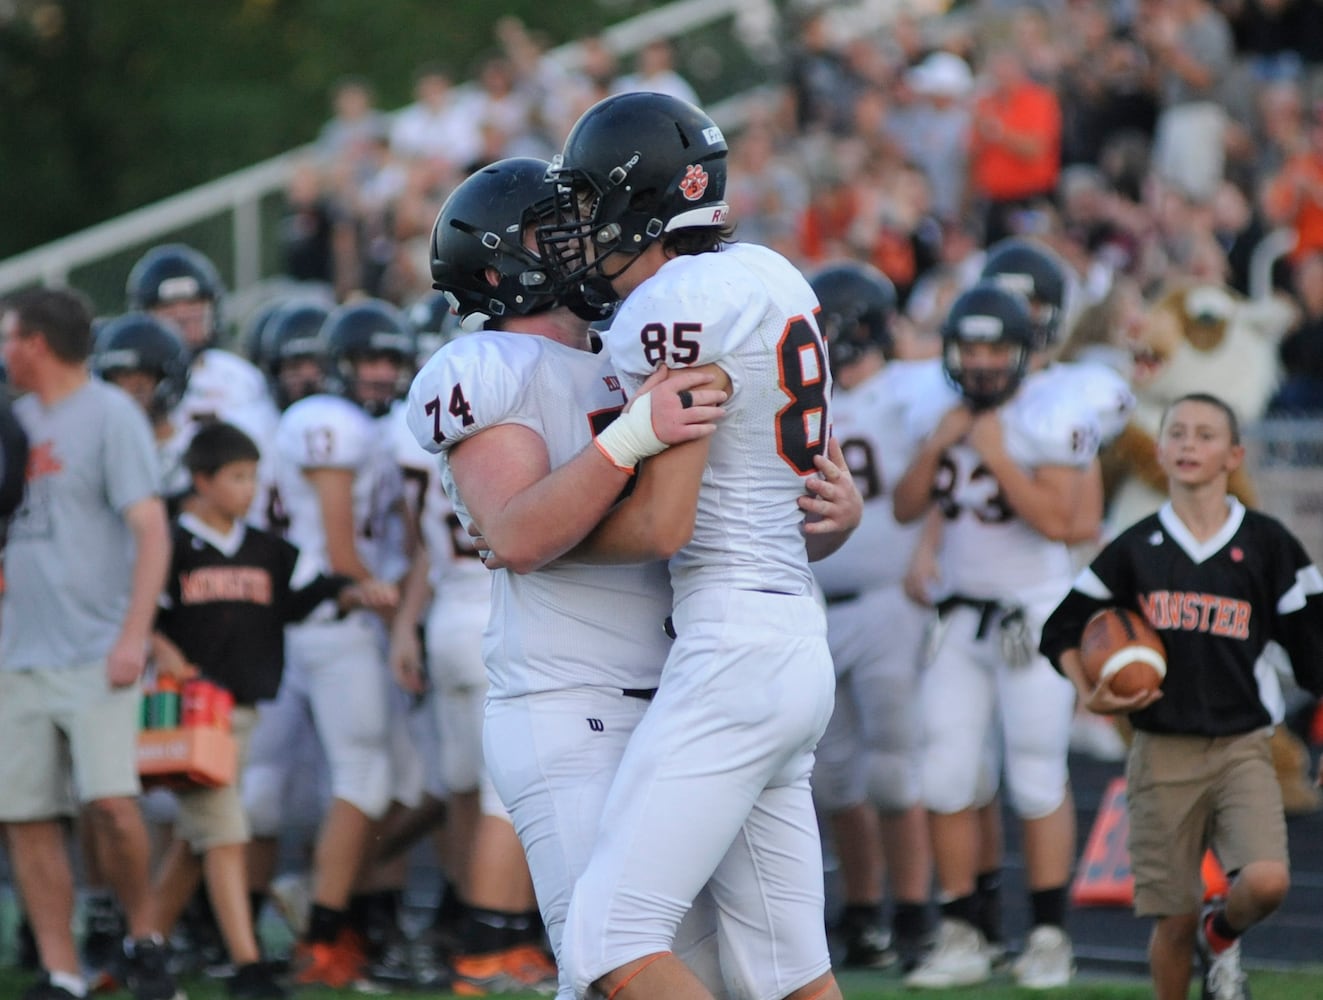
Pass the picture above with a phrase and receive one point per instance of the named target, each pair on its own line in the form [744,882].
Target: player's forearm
[1073,668]
[547,519]
[914,492]
[415,591]
[1045,507]
[656,520]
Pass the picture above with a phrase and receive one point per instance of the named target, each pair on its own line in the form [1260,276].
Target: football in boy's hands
[1118,643]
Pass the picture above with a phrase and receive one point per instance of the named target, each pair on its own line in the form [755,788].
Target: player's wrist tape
[630,437]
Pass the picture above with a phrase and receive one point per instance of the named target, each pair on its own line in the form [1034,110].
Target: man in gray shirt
[85,562]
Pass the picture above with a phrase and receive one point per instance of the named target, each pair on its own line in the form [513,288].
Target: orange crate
[182,758]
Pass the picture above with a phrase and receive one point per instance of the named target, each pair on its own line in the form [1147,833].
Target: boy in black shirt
[1219,583]
[228,597]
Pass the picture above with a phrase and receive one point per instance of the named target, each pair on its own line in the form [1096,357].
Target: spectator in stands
[655,72]
[314,232]
[1301,391]
[344,144]
[1015,146]
[1294,197]
[765,191]
[85,559]
[433,126]
[936,136]
[1189,43]
[820,86]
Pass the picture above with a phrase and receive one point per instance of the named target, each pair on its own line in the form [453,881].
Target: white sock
[68,981]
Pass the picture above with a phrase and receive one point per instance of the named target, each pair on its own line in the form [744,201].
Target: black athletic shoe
[256,981]
[44,989]
[145,970]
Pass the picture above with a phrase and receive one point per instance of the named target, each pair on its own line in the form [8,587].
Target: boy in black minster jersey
[1218,582]
[230,592]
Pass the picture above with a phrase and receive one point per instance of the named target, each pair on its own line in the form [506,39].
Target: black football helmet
[141,342]
[987,313]
[635,166]
[1035,272]
[481,228]
[254,329]
[369,330]
[174,273]
[293,334]
[858,302]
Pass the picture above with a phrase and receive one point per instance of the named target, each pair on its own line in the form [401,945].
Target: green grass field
[1303,985]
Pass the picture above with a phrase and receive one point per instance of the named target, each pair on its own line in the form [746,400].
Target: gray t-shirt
[69,557]
[1207,40]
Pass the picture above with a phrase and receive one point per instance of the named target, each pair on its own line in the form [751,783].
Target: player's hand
[833,503]
[487,557]
[682,408]
[1103,700]
[922,575]
[985,434]
[953,427]
[376,595]
[406,661]
[126,660]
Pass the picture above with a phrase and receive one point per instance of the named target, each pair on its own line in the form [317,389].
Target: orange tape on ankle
[634,975]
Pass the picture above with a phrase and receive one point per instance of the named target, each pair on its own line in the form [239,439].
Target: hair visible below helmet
[172,272]
[1037,273]
[368,329]
[987,314]
[635,167]
[858,302]
[293,333]
[140,342]
[480,229]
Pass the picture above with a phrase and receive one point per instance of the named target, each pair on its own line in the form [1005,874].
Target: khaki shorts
[214,817]
[65,737]
[1186,794]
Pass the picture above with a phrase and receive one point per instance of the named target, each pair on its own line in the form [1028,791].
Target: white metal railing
[240,194]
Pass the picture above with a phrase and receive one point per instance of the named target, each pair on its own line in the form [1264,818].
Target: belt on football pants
[643,694]
[987,610]
[842,598]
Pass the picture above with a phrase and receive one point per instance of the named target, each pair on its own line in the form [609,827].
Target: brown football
[1118,643]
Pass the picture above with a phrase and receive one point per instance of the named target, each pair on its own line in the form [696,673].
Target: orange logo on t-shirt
[694,182]
[42,461]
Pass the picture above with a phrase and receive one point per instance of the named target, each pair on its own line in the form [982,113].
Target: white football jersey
[869,423]
[322,432]
[535,640]
[1096,388]
[748,310]
[224,386]
[987,551]
[454,568]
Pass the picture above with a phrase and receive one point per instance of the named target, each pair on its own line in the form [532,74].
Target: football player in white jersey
[341,489]
[724,754]
[522,415]
[179,284]
[1010,480]
[867,770]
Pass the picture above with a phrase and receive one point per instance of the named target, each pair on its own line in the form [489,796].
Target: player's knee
[261,796]
[837,785]
[893,781]
[364,781]
[948,789]
[1036,792]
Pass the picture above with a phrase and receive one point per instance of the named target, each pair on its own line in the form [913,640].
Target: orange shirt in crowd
[999,173]
[1295,198]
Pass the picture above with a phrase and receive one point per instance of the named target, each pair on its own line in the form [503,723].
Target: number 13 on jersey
[802,424]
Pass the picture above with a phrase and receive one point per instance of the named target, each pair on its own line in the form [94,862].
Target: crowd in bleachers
[1155,142]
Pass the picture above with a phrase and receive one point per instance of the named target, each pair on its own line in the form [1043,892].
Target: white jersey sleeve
[1095,388]
[1044,428]
[470,384]
[220,385]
